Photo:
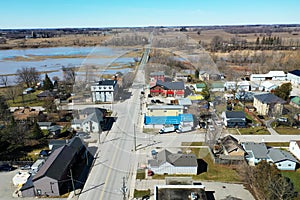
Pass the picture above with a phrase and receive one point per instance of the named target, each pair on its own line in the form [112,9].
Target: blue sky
[123,13]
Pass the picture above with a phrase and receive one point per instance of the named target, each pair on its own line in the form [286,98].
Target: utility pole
[72,181]
[134,137]
[124,189]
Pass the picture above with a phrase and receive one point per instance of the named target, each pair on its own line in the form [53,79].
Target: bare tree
[216,43]
[28,76]
[4,80]
[69,74]
[13,92]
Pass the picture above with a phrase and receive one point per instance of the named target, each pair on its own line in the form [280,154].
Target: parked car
[159,101]
[25,167]
[153,101]
[167,129]
[6,167]
[211,128]
[149,96]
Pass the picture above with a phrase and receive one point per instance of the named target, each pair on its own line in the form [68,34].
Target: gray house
[53,178]
[166,162]
[234,119]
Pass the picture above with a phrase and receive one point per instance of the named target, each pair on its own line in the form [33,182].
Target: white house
[255,152]
[230,85]
[294,148]
[90,121]
[268,86]
[166,162]
[104,91]
[271,75]
[294,77]
[282,159]
[243,86]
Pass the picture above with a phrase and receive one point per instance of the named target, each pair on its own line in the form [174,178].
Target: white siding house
[294,148]
[294,77]
[282,159]
[167,163]
[103,91]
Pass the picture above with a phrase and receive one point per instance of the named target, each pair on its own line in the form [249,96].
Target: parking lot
[7,188]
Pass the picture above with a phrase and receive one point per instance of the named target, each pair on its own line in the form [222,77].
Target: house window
[289,165]
[110,88]
[39,192]
[279,165]
[104,88]
[93,127]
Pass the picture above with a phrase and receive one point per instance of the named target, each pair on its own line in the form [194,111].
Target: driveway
[269,127]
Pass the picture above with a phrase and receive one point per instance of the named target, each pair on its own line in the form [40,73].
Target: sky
[136,13]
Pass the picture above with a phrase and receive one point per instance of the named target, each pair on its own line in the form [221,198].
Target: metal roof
[166,120]
[295,72]
[269,98]
[235,114]
[171,85]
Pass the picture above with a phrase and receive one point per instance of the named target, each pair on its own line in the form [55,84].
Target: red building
[167,89]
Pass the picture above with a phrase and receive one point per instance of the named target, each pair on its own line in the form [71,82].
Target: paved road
[116,155]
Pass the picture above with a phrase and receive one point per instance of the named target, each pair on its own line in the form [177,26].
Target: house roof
[28,184]
[77,121]
[259,150]
[170,85]
[107,82]
[276,73]
[231,144]
[235,114]
[58,142]
[93,117]
[168,119]
[200,85]
[217,85]
[90,110]
[45,93]
[185,102]
[295,72]
[44,123]
[177,160]
[278,155]
[159,73]
[59,160]
[296,100]
[165,107]
[269,98]
[54,128]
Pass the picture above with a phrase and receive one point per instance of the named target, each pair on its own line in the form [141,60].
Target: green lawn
[214,172]
[254,131]
[191,143]
[141,193]
[27,100]
[286,130]
[140,174]
[295,178]
[277,144]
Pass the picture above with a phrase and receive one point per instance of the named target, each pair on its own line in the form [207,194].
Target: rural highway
[116,155]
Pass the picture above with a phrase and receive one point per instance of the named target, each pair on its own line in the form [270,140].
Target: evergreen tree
[257,41]
[263,42]
[197,74]
[283,91]
[48,85]
[36,132]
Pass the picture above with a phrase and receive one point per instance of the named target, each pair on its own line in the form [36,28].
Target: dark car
[149,96]
[153,101]
[158,101]
[6,167]
[146,197]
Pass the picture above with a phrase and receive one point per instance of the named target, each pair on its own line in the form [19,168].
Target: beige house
[268,104]
[164,110]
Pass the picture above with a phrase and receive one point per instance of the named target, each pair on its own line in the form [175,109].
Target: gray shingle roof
[278,155]
[59,160]
[44,123]
[269,98]
[235,114]
[171,85]
[159,73]
[178,160]
[107,82]
[259,150]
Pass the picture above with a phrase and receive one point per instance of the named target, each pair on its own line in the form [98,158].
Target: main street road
[116,156]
